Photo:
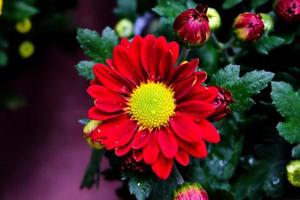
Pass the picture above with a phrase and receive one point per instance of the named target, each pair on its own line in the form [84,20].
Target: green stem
[219,44]
[184,53]
[178,176]
[92,172]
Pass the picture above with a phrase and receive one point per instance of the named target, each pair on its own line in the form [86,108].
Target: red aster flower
[190,191]
[150,108]
[288,10]
[192,26]
[248,26]
[221,102]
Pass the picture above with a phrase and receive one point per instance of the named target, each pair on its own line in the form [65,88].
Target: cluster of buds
[221,103]
[288,10]
[190,191]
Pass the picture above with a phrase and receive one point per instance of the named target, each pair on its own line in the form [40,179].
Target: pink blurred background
[43,154]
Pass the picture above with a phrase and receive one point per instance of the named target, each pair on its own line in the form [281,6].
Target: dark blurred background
[43,154]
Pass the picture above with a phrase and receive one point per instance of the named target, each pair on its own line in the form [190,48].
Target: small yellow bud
[26,49]
[293,172]
[1,6]
[124,28]
[87,130]
[214,19]
[24,26]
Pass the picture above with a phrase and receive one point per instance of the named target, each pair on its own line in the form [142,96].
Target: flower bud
[124,28]
[24,26]
[192,26]
[268,21]
[248,26]
[214,19]
[288,10]
[190,191]
[293,172]
[26,49]
[221,103]
[87,131]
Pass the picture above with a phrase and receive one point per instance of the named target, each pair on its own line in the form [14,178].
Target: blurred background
[43,155]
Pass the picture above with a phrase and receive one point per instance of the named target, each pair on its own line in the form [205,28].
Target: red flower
[192,26]
[248,26]
[190,191]
[150,108]
[288,10]
[221,102]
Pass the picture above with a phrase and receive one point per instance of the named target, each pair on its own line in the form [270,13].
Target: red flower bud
[221,103]
[192,26]
[248,26]
[190,191]
[288,10]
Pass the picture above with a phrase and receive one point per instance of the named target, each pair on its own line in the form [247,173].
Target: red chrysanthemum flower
[149,107]
[248,26]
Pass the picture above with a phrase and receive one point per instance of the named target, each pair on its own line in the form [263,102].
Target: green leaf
[96,47]
[163,189]
[287,103]
[92,173]
[140,187]
[244,87]
[268,43]
[257,3]
[126,8]
[296,152]
[20,10]
[170,9]
[85,69]
[227,4]
[3,59]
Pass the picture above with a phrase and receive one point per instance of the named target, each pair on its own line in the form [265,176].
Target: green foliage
[227,4]
[170,9]
[84,69]
[92,174]
[140,187]
[96,47]
[126,8]
[268,43]
[244,87]
[287,103]
[19,10]
[296,152]
[258,3]
[3,59]
[163,189]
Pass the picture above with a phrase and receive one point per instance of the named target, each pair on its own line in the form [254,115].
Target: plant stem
[184,53]
[217,42]
[178,176]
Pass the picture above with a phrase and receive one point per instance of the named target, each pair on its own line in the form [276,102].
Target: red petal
[202,93]
[196,109]
[151,150]
[141,138]
[107,78]
[137,155]
[167,142]
[165,66]
[201,76]
[209,132]
[96,114]
[136,55]
[123,150]
[175,51]
[147,53]
[106,100]
[162,167]
[185,128]
[197,150]
[122,62]
[182,158]
[182,88]
[185,70]
[116,132]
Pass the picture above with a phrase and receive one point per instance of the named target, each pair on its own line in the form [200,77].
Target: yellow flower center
[152,104]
